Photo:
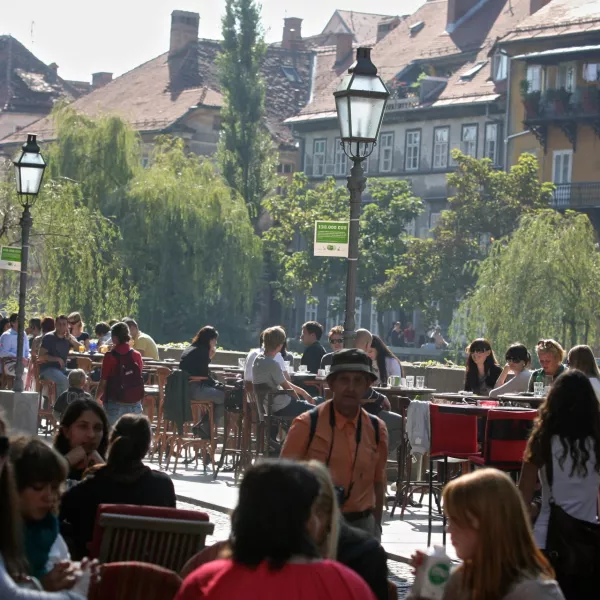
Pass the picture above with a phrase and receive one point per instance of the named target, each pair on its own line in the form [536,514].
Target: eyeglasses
[4,446]
[336,341]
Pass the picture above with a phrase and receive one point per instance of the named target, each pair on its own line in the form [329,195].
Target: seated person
[77,379]
[267,376]
[518,361]
[53,354]
[142,342]
[123,480]
[102,331]
[311,334]
[76,326]
[336,341]
[8,345]
[279,358]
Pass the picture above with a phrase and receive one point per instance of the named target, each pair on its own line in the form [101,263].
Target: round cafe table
[533,401]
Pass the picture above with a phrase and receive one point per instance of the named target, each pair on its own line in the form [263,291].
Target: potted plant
[559,100]
[531,100]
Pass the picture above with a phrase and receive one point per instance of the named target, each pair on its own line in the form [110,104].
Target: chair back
[135,581]
[506,435]
[85,363]
[167,537]
[451,434]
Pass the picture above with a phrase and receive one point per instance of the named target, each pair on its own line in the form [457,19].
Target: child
[77,379]
[39,474]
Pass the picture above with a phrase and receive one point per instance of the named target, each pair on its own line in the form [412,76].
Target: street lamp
[29,172]
[360,103]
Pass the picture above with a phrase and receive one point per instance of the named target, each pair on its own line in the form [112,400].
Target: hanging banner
[10,258]
[331,238]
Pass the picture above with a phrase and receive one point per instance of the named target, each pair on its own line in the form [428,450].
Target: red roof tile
[362,25]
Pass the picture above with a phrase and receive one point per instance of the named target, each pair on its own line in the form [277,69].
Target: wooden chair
[234,420]
[167,537]
[129,580]
[153,403]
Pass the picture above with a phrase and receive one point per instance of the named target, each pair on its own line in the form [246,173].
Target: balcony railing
[577,195]
[558,103]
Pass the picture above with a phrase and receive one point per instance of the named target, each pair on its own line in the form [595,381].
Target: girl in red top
[273,553]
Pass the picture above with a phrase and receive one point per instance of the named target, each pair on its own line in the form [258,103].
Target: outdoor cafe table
[403,391]
[533,401]
[458,397]
[478,411]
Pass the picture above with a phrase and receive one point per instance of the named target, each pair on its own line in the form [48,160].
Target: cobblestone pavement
[400,573]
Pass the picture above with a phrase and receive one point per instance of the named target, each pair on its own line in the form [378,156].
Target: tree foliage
[540,282]
[245,154]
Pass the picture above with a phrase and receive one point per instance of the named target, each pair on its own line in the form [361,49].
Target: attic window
[468,75]
[291,74]
[416,27]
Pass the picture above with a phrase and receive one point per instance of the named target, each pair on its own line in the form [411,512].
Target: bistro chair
[234,420]
[153,403]
[167,537]
[264,397]
[207,555]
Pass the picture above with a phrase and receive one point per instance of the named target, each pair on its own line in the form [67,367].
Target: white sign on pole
[331,238]
[10,258]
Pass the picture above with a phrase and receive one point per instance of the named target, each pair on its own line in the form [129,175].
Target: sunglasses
[479,350]
[336,341]
[73,322]
[4,446]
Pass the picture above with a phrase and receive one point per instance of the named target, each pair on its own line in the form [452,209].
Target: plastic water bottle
[93,347]
[432,576]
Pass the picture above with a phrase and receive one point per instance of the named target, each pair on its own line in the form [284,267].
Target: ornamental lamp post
[360,102]
[29,172]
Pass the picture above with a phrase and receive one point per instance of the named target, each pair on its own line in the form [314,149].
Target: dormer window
[291,74]
[500,67]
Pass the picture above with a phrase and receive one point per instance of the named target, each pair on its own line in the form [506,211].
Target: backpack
[314,419]
[127,385]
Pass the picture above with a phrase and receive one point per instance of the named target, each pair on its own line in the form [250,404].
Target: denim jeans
[59,377]
[209,393]
[115,410]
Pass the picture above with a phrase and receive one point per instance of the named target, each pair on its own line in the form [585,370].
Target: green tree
[245,155]
[540,282]
[290,239]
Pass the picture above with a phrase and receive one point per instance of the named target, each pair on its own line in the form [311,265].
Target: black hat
[352,359]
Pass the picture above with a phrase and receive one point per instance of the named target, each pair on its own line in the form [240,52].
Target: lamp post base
[20,410]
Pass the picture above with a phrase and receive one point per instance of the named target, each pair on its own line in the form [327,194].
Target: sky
[85,37]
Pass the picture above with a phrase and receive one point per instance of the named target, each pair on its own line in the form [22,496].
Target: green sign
[331,238]
[10,258]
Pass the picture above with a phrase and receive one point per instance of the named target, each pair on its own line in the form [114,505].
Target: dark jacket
[312,357]
[471,379]
[177,399]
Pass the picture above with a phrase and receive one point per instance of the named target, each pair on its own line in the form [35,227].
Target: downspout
[507,118]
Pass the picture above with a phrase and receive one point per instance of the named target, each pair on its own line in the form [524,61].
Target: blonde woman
[339,541]
[551,356]
[489,528]
[76,326]
[582,358]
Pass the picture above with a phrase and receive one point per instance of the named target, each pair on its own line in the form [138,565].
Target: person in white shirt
[8,344]
[257,352]
[582,359]
[518,361]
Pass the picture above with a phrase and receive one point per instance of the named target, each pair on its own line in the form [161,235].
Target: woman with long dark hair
[123,480]
[483,369]
[518,361]
[273,549]
[385,362]
[195,360]
[566,438]
[82,437]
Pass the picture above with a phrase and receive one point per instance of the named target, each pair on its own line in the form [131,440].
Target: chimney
[458,10]
[100,79]
[385,26]
[292,33]
[184,30]
[54,71]
[343,47]
[535,5]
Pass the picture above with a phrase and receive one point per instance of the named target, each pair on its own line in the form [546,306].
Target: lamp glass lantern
[360,100]
[29,169]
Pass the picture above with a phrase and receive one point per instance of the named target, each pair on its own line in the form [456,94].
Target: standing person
[551,356]
[489,528]
[483,369]
[13,565]
[76,326]
[518,361]
[409,334]
[53,354]
[396,335]
[336,341]
[123,480]
[311,334]
[582,358]
[195,361]
[142,342]
[352,443]
[440,342]
[121,385]
[8,345]
[564,451]
[273,552]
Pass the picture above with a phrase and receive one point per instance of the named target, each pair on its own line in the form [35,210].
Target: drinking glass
[547,389]
[538,388]
[81,348]
[242,363]
[321,372]
[420,382]
[290,370]
[410,382]
[302,369]
[327,370]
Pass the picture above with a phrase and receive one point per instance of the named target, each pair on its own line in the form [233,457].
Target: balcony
[576,195]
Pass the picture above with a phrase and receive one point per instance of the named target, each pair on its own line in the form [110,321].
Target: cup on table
[81,348]
[321,372]
[403,382]
[547,389]
[287,365]
[327,370]
[302,369]
[538,389]
[410,382]
[394,381]
[290,370]
[420,382]
[242,363]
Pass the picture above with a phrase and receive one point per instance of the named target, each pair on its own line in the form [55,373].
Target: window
[386,151]
[291,74]
[534,78]
[491,142]
[288,168]
[441,136]
[468,75]
[500,67]
[591,72]
[434,219]
[565,77]
[468,140]
[319,149]
[310,312]
[358,314]
[334,312]
[341,165]
[411,227]
[413,150]
[562,168]
[373,321]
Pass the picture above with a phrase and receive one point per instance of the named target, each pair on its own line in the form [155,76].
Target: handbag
[572,545]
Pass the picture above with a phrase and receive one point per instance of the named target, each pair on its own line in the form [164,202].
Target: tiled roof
[362,25]
[558,18]
[157,94]
[32,86]
[432,44]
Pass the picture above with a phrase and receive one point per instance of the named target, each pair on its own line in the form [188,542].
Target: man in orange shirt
[352,443]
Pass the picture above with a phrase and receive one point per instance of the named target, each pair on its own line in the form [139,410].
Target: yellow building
[553,105]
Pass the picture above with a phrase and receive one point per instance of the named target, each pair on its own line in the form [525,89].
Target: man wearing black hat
[351,442]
